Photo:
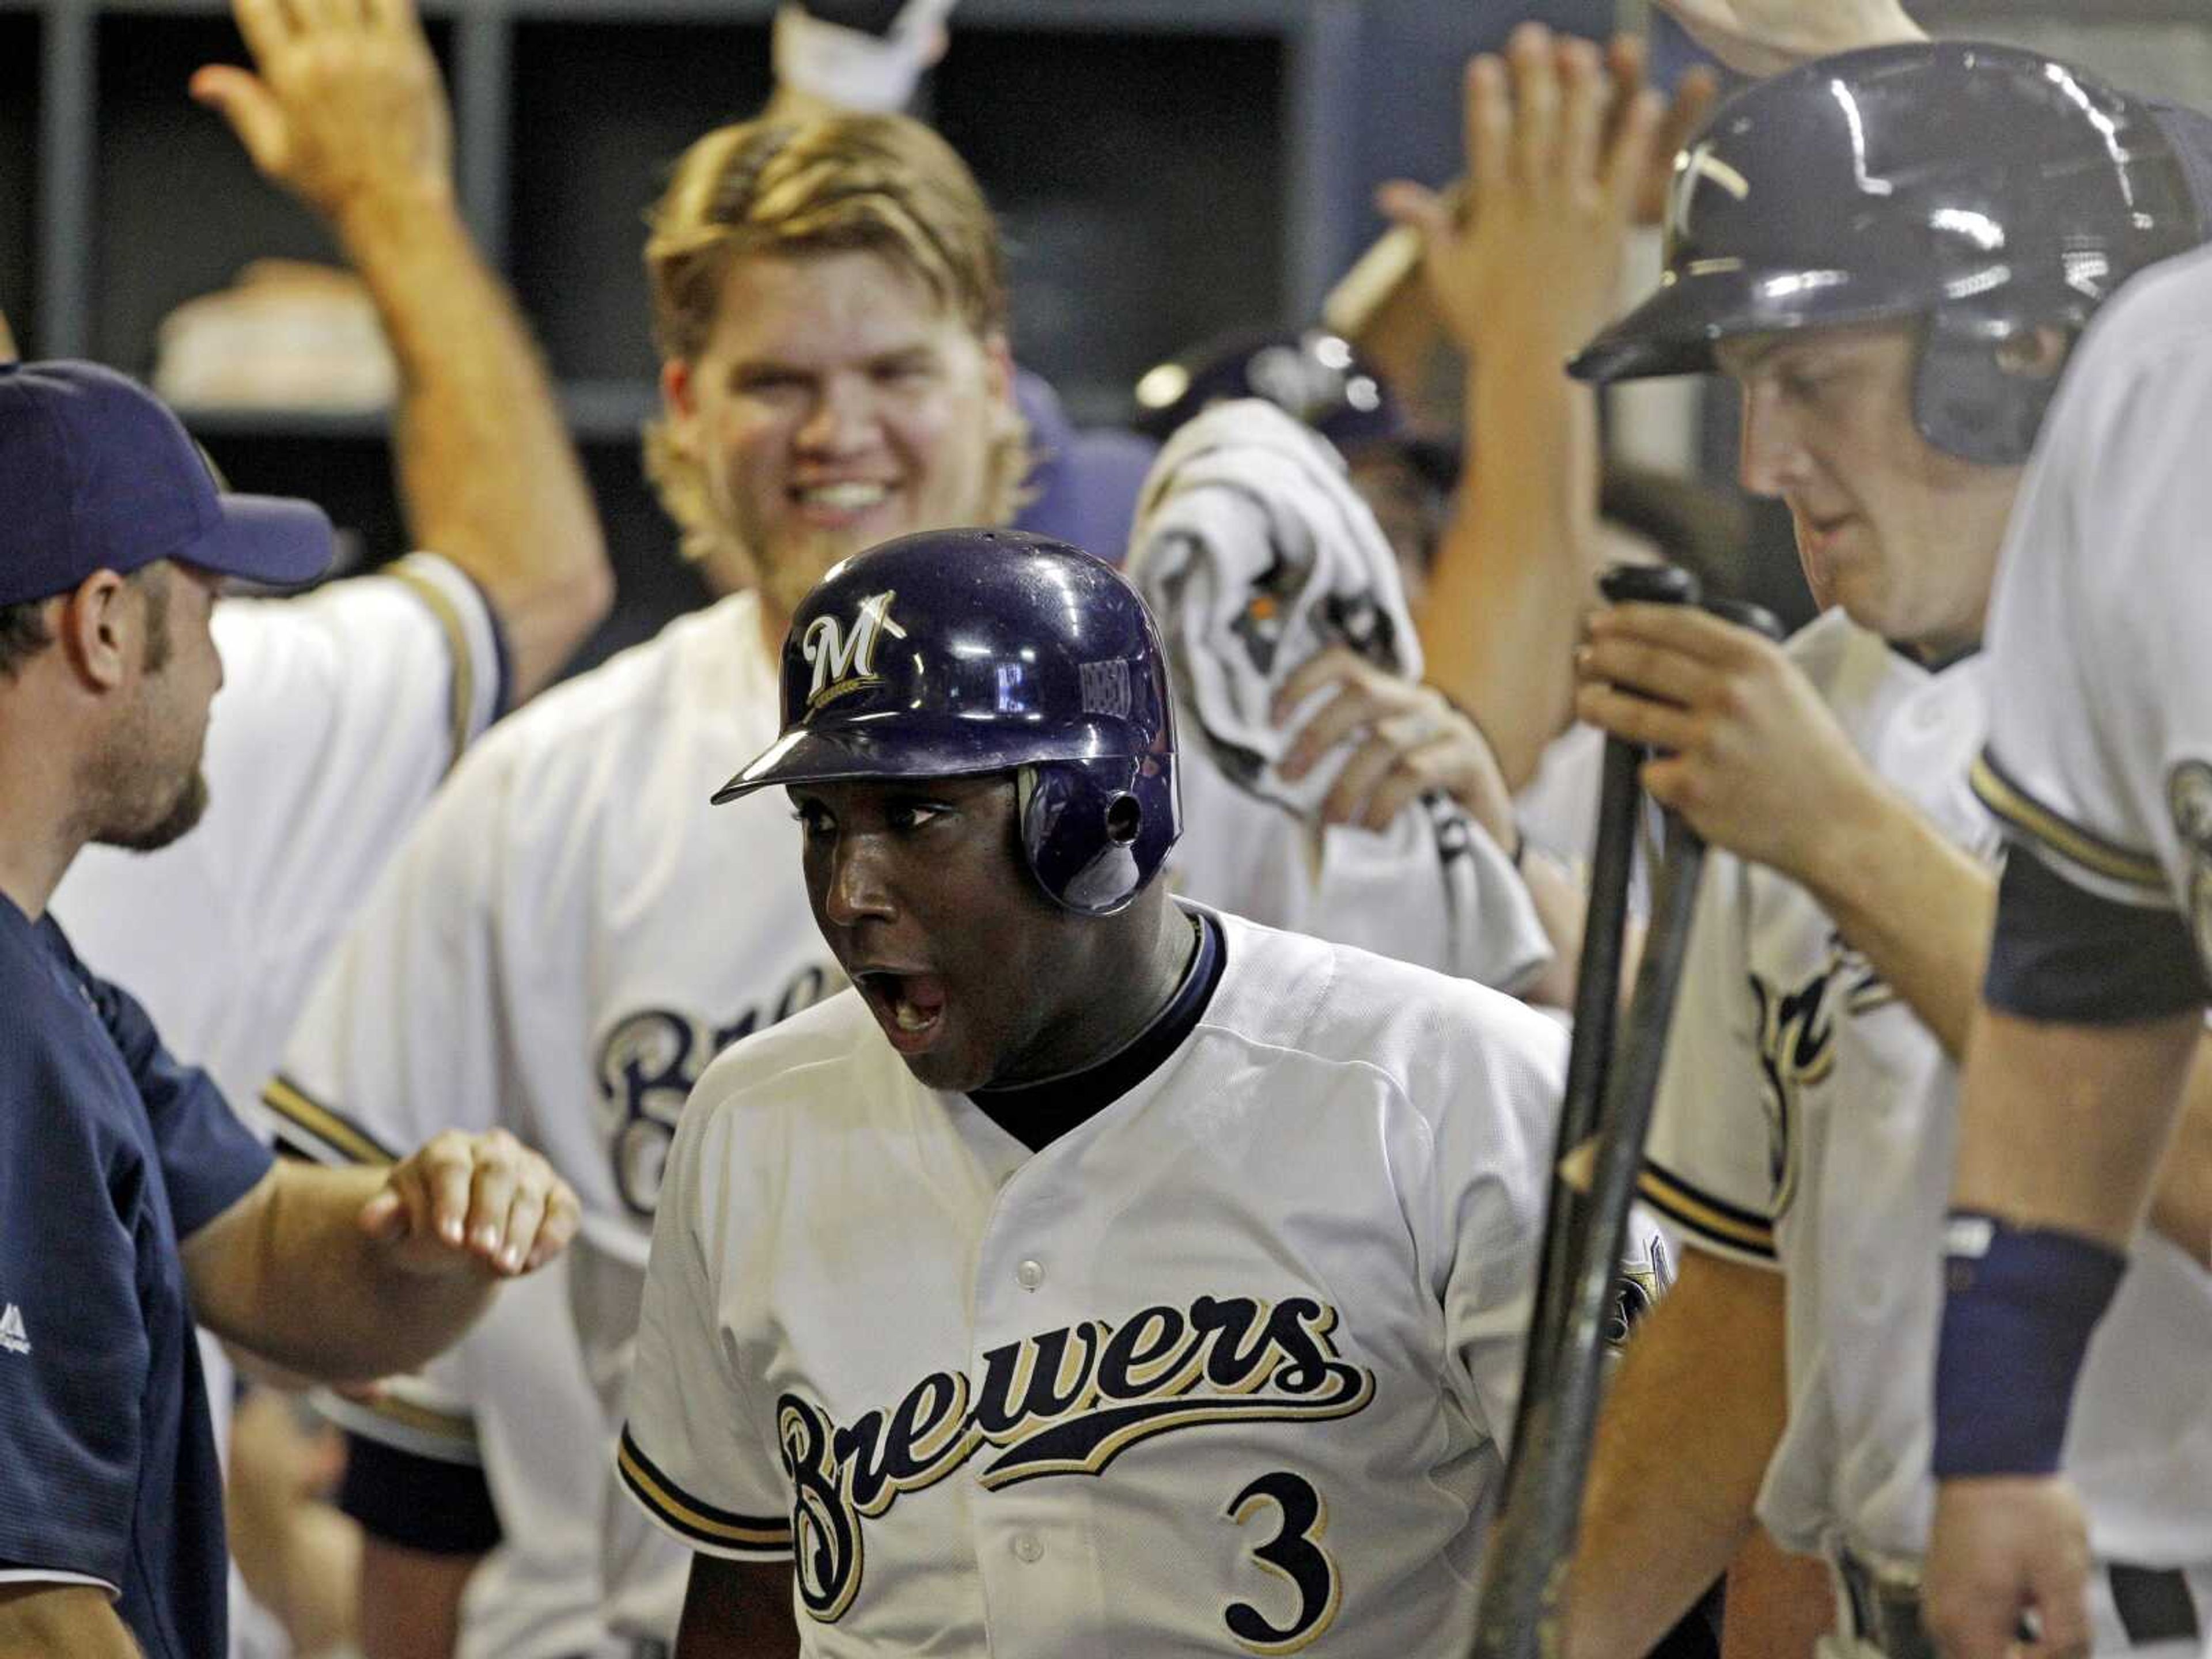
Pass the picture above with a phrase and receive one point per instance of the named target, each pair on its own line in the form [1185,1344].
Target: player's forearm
[62,1621]
[2181,1203]
[410,1601]
[1777,1605]
[1683,1440]
[1515,566]
[2063,1127]
[490,476]
[1915,905]
[288,1272]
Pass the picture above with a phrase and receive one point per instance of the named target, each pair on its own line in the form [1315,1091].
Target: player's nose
[842,417]
[1769,457]
[859,887]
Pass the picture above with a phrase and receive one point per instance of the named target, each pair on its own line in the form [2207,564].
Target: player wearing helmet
[572,934]
[1891,251]
[1101,1272]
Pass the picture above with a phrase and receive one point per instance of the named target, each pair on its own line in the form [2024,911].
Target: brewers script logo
[1797,1044]
[1067,1401]
[843,662]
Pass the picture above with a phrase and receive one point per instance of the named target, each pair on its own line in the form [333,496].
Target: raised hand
[347,106]
[1527,250]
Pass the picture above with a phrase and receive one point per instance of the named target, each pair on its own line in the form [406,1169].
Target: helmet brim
[833,754]
[1675,331]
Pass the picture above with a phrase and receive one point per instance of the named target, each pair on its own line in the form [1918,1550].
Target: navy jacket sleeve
[210,1159]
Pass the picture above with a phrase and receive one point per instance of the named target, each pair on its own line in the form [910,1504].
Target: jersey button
[1027,1550]
[1030,1275]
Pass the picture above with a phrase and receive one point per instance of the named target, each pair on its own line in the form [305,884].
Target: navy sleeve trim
[694,1518]
[2048,832]
[418,1503]
[2062,953]
[312,1129]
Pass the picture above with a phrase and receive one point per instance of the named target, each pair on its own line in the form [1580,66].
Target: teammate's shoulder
[2157,333]
[784,1061]
[575,725]
[2163,307]
[1336,1004]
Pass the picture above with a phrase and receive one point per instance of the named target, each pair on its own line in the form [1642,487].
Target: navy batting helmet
[960,652]
[1315,377]
[1987,190]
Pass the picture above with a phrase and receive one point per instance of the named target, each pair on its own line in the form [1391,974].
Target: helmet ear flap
[1094,832]
[1968,402]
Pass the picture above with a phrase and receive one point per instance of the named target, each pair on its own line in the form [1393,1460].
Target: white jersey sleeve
[340,710]
[401,1034]
[708,1475]
[2099,755]
[1718,1149]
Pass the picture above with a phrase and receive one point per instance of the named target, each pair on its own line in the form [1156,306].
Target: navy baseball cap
[96,474]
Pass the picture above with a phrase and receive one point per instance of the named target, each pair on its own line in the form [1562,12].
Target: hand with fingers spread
[1405,740]
[347,107]
[472,1203]
[1765,37]
[1752,757]
[1561,143]
[2004,1548]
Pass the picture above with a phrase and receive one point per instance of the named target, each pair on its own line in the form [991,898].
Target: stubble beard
[185,811]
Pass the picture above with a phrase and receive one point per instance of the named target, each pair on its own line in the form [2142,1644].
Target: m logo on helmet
[845,662]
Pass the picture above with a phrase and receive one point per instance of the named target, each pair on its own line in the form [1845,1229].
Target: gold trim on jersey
[458,1428]
[440,605]
[691,1517]
[339,1135]
[2092,852]
[1721,1223]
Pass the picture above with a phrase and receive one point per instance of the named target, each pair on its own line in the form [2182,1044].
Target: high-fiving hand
[347,108]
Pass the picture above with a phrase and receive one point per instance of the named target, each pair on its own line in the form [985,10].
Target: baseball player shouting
[1100,1273]
[1891,251]
[571,934]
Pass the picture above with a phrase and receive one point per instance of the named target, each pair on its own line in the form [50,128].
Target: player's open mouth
[909,1007]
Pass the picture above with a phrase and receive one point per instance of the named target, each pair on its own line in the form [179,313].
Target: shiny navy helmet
[1315,377]
[956,653]
[1984,189]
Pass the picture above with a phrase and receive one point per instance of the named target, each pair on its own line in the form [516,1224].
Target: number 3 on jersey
[1294,1553]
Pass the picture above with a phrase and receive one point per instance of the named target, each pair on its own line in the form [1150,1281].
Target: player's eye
[813,820]
[911,815]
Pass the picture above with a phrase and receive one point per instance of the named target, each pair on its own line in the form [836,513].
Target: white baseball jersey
[340,711]
[1227,1365]
[1806,1123]
[571,934]
[2099,754]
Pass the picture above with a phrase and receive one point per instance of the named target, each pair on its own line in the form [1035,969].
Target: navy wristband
[2019,1306]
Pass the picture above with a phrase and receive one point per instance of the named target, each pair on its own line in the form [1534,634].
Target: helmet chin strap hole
[1125,816]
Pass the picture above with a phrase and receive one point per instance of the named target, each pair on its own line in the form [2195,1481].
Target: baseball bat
[1522,1610]
[1597,998]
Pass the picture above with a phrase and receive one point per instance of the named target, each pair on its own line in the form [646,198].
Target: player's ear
[2037,355]
[678,401]
[999,368]
[100,626]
